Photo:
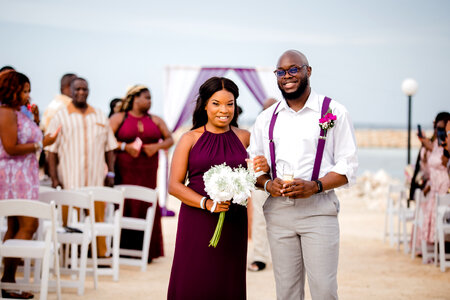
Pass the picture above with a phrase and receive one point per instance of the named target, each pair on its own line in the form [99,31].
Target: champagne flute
[287,176]
[288,172]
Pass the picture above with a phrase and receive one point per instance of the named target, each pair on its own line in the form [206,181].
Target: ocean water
[391,160]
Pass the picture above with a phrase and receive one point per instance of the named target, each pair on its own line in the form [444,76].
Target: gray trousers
[304,238]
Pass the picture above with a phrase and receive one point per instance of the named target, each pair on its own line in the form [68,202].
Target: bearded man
[309,142]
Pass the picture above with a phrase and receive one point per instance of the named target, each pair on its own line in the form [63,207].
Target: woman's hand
[150,149]
[220,207]
[132,150]
[260,164]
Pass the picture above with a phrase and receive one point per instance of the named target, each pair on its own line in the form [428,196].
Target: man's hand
[274,187]
[109,181]
[299,188]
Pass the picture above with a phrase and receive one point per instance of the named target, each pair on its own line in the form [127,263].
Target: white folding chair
[75,201]
[146,225]
[394,197]
[442,229]
[111,227]
[406,215]
[33,249]
[418,219]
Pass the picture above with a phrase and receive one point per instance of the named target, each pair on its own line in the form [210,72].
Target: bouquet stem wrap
[216,236]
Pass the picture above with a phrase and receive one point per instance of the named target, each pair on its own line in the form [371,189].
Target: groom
[301,214]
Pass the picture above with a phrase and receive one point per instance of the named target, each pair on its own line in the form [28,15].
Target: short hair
[11,85]
[67,79]
[6,68]
[207,89]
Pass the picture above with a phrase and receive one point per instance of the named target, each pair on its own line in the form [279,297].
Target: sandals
[14,294]
[257,266]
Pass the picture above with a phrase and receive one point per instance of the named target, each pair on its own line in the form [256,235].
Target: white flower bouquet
[222,183]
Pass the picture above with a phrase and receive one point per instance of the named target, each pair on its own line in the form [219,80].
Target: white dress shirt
[296,138]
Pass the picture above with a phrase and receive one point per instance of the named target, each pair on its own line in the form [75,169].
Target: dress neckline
[204,127]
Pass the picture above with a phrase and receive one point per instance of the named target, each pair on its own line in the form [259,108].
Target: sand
[368,268]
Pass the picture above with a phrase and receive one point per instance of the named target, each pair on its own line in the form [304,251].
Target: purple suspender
[320,146]
[271,143]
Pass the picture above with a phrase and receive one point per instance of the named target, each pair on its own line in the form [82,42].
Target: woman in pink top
[20,139]
[439,181]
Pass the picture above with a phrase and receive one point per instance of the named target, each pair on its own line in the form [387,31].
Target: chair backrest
[44,188]
[104,194]
[442,203]
[443,199]
[71,199]
[108,195]
[396,193]
[138,193]
[26,208]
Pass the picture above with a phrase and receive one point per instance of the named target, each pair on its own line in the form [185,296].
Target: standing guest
[439,181]
[114,106]
[20,139]
[60,101]
[301,211]
[261,252]
[199,271]
[77,158]
[137,164]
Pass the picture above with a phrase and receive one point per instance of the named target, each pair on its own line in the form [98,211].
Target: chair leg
[116,256]
[413,245]
[82,268]
[443,262]
[386,216]
[45,274]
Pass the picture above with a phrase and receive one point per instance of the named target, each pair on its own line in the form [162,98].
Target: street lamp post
[409,87]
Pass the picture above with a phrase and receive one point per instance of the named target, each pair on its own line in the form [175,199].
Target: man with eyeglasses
[315,137]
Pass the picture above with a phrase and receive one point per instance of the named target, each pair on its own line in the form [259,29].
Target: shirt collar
[312,103]
[73,109]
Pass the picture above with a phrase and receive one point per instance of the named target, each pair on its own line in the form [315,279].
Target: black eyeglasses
[292,71]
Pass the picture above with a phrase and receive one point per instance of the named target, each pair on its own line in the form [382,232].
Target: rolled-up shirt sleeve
[345,149]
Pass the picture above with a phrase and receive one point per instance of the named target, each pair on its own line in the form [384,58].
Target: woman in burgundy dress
[138,165]
[198,271]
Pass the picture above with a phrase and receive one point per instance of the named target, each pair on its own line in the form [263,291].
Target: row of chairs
[410,219]
[80,233]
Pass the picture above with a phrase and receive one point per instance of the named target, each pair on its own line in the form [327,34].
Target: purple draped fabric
[251,79]
[249,76]
[189,103]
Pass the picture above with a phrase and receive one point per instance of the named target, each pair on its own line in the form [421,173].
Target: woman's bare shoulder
[243,135]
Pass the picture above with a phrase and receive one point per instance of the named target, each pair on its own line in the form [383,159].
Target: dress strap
[204,127]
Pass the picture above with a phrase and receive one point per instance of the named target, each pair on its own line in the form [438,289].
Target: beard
[296,94]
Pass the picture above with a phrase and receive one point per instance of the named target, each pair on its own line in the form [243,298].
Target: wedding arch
[181,85]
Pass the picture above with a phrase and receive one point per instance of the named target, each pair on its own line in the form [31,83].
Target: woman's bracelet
[265,185]
[203,202]
[213,207]
[122,146]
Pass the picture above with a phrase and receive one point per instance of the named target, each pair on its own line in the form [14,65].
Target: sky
[360,51]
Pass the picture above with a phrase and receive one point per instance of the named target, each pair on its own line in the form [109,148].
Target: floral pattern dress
[19,175]
[439,183]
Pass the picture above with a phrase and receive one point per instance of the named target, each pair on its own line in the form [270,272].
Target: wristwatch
[319,185]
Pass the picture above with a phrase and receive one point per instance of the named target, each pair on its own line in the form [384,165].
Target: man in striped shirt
[86,141]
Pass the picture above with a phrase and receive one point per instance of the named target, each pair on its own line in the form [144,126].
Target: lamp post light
[409,87]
